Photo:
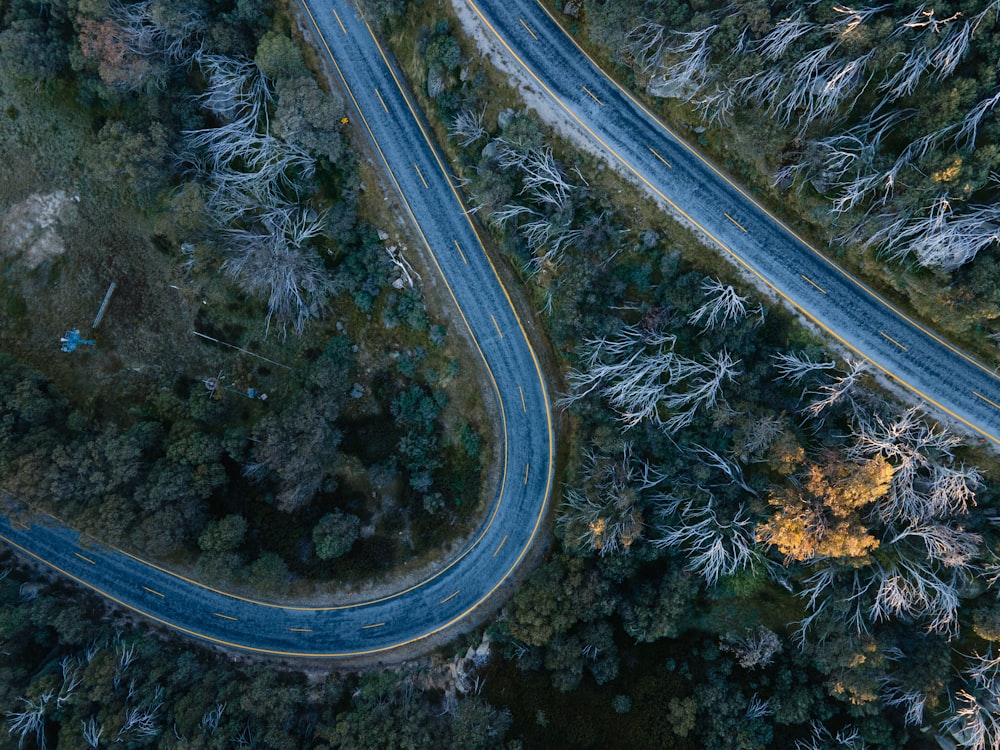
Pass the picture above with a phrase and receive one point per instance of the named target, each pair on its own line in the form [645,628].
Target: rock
[504,118]
[572,8]
[382,235]
[357,391]
[435,81]
[398,284]
[490,150]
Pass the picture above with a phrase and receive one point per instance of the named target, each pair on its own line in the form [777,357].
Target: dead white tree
[850,19]
[723,306]
[715,545]
[758,708]
[467,127]
[211,718]
[606,513]
[974,722]
[30,720]
[755,647]
[700,391]
[71,679]
[795,367]
[646,44]
[145,33]
[969,130]
[943,238]
[843,387]
[684,66]
[822,738]
[276,262]
[951,49]
[913,702]
[788,30]
[911,586]
[92,732]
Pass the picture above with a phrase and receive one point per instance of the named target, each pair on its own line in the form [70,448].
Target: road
[702,196]
[527,449]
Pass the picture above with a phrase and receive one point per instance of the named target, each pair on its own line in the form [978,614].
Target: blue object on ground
[72,339]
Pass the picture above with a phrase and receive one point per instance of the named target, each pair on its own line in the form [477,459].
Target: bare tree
[211,718]
[969,130]
[467,127]
[787,31]
[840,388]
[146,33]
[715,546]
[795,367]
[723,306]
[974,722]
[758,708]
[606,515]
[92,732]
[755,647]
[913,702]
[847,738]
[943,238]
[31,720]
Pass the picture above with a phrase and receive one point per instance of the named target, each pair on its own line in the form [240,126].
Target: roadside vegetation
[268,400]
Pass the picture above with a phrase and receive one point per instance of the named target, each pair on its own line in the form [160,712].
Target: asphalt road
[624,131]
[527,448]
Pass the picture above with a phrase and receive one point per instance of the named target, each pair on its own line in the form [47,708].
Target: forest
[756,545]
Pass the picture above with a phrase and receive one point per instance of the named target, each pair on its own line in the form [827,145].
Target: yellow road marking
[524,406]
[153,591]
[301,630]
[526,467]
[496,325]
[421,175]
[224,617]
[653,151]
[810,281]
[742,228]
[502,543]
[994,404]
[337,16]
[374,625]
[86,559]
[449,597]
[592,96]
[890,339]
[459,248]
[381,100]
[527,29]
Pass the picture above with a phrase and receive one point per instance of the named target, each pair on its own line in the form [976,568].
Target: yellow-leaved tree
[822,513]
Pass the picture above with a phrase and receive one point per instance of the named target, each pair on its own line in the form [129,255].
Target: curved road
[526,450]
[705,198]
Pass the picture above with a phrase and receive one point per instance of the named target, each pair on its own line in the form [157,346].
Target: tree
[335,534]
[279,57]
[224,535]
[824,517]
